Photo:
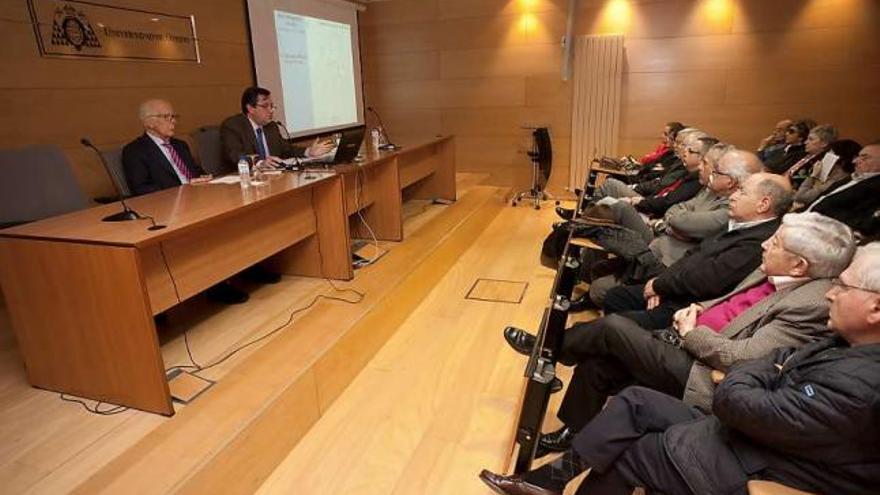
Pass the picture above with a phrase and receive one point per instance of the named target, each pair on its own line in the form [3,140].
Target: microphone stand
[388,144]
[126,213]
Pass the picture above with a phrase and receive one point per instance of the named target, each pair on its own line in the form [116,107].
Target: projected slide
[317,72]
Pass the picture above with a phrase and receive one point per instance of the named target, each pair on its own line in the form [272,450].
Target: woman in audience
[664,151]
[794,147]
[818,141]
[834,166]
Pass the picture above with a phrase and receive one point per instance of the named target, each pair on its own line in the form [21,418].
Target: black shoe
[260,275]
[565,213]
[555,441]
[521,341]
[512,485]
[582,304]
[224,293]
[555,385]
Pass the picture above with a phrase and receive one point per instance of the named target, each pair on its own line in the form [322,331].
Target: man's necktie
[261,150]
[178,162]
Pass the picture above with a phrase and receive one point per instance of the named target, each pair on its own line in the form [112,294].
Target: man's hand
[270,162]
[319,148]
[648,291]
[653,302]
[202,179]
[685,319]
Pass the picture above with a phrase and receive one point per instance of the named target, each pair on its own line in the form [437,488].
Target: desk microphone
[388,144]
[126,213]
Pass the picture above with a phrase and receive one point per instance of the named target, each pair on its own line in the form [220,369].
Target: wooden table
[375,187]
[82,293]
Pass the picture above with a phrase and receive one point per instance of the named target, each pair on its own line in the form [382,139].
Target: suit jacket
[688,223]
[856,206]
[782,162]
[237,138]
[716,266]
[656,205]
[147,169]
[793,316]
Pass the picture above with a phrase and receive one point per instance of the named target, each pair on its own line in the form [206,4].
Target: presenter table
[421,169]
[82,293]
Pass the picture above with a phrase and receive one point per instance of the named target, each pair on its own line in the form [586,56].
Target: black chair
[37,183]
[210,150]
[541,156]
[113,158]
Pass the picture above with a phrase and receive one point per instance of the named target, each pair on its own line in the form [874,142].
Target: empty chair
[210,151]
[37,183]
[113,158]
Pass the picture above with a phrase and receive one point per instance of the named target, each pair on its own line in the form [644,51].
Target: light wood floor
[434,405]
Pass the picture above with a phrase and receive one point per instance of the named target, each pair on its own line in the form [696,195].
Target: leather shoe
[565,213]
[555,385]
[260,275]
[556,441]
[512,485]
[582,304]
[521,341]
[225,293]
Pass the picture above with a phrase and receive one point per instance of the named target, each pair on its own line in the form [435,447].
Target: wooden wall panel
[733,68]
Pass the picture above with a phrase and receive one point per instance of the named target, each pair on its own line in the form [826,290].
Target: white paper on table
[827,164]
[226,179]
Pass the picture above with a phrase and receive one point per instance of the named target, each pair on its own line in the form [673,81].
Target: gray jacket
[702,216]
[793,316]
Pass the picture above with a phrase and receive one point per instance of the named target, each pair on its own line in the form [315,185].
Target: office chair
[210,150]
[38,183]
[113,158]
[541,156]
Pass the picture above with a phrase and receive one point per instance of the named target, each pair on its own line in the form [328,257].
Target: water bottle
[374,135]
[244,172]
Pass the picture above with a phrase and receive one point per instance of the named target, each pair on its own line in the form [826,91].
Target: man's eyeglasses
[166,116]
[840,284]
[791,130]
[267,106]
[716,173]
[693,151]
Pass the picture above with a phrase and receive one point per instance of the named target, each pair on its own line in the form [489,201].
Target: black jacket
[814,424]
[856,206]
[782,162]
[237,138]
[713,268]
[147,169]
[656,206]
[674,170]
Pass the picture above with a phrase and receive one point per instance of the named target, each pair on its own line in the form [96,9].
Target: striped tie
[261,150]
[178,162]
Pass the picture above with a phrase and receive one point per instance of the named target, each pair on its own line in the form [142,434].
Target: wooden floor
[414,390]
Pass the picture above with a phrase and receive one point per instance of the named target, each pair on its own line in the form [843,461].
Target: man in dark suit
[255,132]
[804,417]
[717,265]
[855,200]
[156,160]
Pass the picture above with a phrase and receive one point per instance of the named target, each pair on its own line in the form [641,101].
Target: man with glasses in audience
[806,418]
[254,131]
[855,200]
[156,160]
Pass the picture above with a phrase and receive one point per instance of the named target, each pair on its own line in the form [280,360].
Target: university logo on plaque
[79,29]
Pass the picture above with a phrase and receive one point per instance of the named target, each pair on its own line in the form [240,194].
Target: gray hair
[741,165]
[781,198]
[866,266]
[716,151]
[826,244]
[146,108]
[825,133]
[693,136]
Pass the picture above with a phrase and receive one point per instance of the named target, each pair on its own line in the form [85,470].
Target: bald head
[760,197]
[158,117]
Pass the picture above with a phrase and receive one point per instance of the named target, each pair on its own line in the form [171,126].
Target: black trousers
[610,354]
[628,300]
[624,445]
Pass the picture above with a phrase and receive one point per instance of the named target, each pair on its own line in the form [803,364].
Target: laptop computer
[348,147]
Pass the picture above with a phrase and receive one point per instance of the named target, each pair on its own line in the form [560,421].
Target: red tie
[178,162]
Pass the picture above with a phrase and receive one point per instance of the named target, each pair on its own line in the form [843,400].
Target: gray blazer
[693,220]
[793,316]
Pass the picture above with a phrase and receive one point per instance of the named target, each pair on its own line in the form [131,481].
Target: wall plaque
[71,28]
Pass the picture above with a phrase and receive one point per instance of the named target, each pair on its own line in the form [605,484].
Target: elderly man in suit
[254,131]
[855,200]
[780,304]
[156,159]
[805,417]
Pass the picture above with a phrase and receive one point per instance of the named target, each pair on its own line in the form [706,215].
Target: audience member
[156,159]
[793,151]
[719,263]
[774,144]
[804,417]
[855,200]
[837,164]
[818,141]
[780,304]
